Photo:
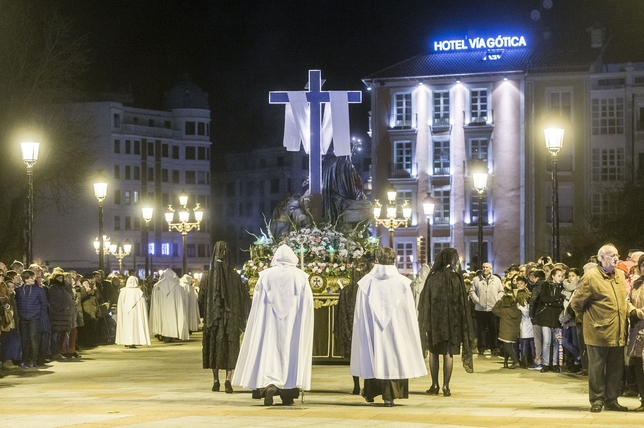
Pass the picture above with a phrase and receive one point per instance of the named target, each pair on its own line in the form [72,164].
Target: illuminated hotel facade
[486,99]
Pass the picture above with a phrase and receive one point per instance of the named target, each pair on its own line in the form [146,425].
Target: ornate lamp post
[29,151]
[183,225]
[106,246]
[554,141]
[100,191]
[121,252]
[428,207]
[147,213]
[391,222]
[479,177]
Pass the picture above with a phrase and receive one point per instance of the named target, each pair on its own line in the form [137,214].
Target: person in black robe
[225,301]
[444,319]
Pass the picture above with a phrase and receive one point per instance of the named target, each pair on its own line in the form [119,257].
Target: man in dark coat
[225,302]
[62,308]
[31,302]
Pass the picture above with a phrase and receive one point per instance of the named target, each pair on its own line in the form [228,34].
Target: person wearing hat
[62,310]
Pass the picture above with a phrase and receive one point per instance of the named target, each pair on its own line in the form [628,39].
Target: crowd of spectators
[49,316]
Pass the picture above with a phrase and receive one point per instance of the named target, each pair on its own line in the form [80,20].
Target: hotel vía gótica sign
[498,42]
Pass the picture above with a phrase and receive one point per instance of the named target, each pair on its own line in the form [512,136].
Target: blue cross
[315,97]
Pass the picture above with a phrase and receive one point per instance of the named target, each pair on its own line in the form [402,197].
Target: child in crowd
[526,332]
[509,323]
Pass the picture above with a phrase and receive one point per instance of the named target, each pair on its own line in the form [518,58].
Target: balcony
[399,170]
[480,118]
[565,214]
[403,124]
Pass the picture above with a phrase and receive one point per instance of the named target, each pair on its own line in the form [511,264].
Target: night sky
[239,50]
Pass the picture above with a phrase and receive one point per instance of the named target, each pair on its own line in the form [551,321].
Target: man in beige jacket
[600,299]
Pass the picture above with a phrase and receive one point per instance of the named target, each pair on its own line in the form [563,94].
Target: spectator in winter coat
[62,311]
[32,303]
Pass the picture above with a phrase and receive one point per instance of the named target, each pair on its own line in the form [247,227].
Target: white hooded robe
[386,342]
[192,303]
[168,315]
[132,315]
[277,347]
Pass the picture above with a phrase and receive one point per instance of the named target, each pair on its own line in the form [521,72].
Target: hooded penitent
[225,302]
[192,306]
[132,315]
[278,344]
[168,315]
[444,309]
[385,342]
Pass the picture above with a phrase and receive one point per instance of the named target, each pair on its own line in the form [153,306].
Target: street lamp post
[29,151]
[120,253]
[184,225]
[391,222]
[479,177]
[554,141]
[147,217]
[100,191]
[106,247]
[428,207]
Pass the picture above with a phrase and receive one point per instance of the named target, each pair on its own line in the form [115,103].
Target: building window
[137,147]
[127,199]
[137,173]
[201,250]
[201,153]
[128,222]
[117,120]
[165,249]
[441,157]
[150,148]
[117,197]
[190,250]
[201,177]
[175,250]
[604,206]
[135,197]
[175,176]
[128,172]
[441,108]
[275,186]
[560,104]
[608,164]
[442,207]
[402,156]
[117,146]
[117,172]
[151,248]
[167,124]
[438,247]
[190,128]
[151,174]
[478,149]
[151,123]
[405,257]
[478,105]
[201,128]
[402,101]
[117,222]
[607,116]
[165,178]
[190,153]
[190,177]
[175,152]
[128,147]
[475,209]
[165,150]
[137,223]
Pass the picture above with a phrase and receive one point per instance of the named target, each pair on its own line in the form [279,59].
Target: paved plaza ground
[165,386]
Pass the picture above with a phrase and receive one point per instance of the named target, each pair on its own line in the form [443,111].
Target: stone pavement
[165,386]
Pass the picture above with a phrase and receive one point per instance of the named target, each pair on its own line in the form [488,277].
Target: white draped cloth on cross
[304,123]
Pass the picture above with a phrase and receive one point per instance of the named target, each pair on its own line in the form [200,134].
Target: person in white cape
[168,314]
[277,349]
[385,348]
[192,303]
[132,316]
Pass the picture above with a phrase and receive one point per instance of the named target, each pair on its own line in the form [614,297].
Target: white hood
[284,256]
[132,282]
